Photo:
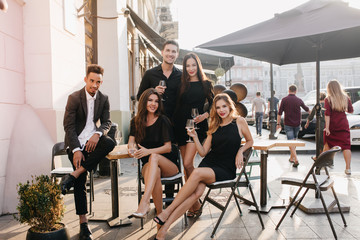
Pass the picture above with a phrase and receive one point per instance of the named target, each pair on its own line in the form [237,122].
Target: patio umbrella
[315,31]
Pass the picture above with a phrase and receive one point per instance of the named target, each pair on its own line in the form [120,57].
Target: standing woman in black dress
[223,154]
[150,141]
[194,91]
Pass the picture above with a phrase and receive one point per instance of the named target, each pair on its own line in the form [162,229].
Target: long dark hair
[185,78]
[141,116]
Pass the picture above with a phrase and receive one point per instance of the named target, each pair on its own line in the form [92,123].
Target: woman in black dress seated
[150,141]
[195,91]
[223,154]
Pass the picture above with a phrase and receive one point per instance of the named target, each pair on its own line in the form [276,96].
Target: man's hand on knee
[77,158]
[92,142]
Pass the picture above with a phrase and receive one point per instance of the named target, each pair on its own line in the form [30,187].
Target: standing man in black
[165,71]
[172,76]
[86,123]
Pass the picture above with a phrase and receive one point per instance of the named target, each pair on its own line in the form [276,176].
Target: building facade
[44,49]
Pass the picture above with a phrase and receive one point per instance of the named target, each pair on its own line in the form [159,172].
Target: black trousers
[104,146]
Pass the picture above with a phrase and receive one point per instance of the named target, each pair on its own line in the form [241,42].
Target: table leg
[114,220]
[266,206]
[263,178]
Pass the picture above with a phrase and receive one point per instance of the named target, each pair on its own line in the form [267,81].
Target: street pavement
[300,226]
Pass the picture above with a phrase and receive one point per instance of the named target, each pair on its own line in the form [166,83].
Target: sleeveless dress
[193,97]
[339,127]
[156,135]
[225,144]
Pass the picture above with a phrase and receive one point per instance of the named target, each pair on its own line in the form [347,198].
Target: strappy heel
[158,220]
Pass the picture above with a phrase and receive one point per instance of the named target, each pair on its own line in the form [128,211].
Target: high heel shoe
[158,221]
[140,215]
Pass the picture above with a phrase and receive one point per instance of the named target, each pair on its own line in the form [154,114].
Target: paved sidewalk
[301,226]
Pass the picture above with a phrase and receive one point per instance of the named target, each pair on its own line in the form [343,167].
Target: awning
[153,40]
[152,37]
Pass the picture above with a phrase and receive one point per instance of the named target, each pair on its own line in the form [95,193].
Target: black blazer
[76,113]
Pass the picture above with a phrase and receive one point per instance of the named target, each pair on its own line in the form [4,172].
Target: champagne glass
[194,114]
[132,150]
[162,83]
[189,126]
[118,137]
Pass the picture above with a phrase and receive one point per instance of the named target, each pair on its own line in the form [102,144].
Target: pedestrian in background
[259,107]
[276,104]
[195,91]
[290,105]
[337,131]
[322,121]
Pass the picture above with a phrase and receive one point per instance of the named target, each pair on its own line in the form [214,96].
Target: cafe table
[264,146]
[119,152]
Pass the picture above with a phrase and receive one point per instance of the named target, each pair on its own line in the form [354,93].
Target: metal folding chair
[255,161]
[58,172]
[242,180]
[319,183]
[177,180]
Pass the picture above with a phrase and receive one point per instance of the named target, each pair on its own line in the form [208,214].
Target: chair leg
[288,208]
[91,192]
[236,201]
[205,199]
[268,190]
[338,204]
[328,215]
[139,194]
[299,202]
[255,204]
[222,214]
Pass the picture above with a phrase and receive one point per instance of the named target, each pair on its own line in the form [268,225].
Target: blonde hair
[215,119]
[337,97]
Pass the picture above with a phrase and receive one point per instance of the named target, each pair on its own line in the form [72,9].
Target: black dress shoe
[67,182]
[85,233]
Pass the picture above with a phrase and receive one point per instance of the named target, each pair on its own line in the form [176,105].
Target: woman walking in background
[150,141]
[337,132]
[194,91]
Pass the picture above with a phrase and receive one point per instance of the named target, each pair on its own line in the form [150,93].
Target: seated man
[85,140]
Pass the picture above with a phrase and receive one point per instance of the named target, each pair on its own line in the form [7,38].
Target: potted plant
[41,206]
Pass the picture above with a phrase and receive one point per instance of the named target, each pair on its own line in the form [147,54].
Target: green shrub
[41,205]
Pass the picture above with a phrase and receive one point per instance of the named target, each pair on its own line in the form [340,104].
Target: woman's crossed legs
[187,196]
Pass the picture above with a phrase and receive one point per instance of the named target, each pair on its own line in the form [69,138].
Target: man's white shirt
[90,127]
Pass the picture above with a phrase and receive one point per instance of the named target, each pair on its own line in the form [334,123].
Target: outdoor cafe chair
[317,182]
[254,160]
[241,180]
[59,150]
[176,180]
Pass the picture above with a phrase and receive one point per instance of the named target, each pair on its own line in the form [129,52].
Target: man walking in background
[260,108]
[292,121]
